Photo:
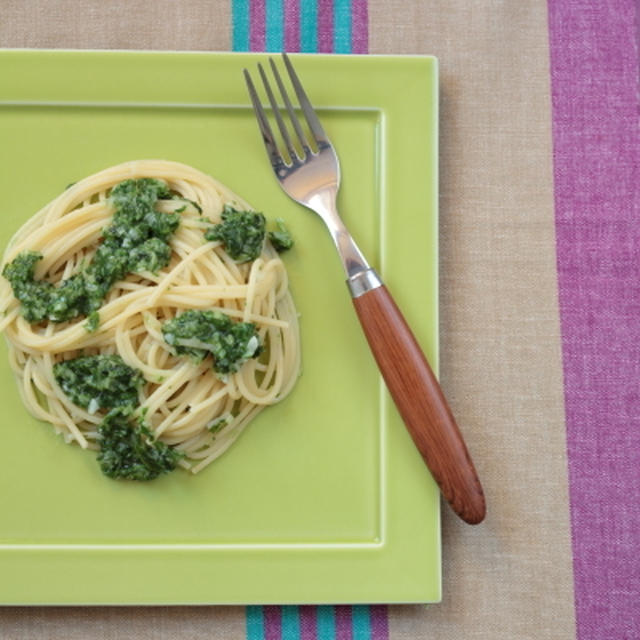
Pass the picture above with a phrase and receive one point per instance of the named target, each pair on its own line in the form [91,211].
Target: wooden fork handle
[421,403]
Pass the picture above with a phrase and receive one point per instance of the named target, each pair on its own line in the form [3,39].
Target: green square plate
[324,498]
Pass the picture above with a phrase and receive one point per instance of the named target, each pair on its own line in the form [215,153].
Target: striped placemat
[313,26]
[594,76]
[317,623]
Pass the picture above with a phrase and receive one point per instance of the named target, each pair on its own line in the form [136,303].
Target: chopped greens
[93,321]
[33,294]
[137,240]
[128,449]
[68,300]
[241,232]
[127,446]
[151,255]
[281,239]
[199,333]
[99,382]
[136,219]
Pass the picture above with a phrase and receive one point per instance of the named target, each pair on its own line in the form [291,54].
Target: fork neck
[324,204]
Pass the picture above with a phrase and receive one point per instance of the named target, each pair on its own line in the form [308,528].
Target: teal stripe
[308,26]
[274,40]
[361,622]
[326,623]
[240,19]
[255,623]
[290,623]
[342,26]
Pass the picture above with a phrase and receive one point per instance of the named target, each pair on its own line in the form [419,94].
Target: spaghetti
[185,403]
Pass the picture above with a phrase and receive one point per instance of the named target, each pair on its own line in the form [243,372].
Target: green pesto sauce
[241,232]
[200,333]
[137,240]
[34,295]
[281,238]
[93,321]
[99,382]
[128,449]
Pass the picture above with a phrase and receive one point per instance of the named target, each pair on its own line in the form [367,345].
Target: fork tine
[276,114]
[287,103]
[305,104]
[265,128]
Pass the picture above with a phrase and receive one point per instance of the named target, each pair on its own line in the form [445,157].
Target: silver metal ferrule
[362,282]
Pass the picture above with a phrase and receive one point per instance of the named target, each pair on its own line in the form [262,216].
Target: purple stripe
[308,623]
[594,71]
[359,26]
[257,14]
[292,25]
[379,622]
[325,26]
[272,622]
[344,629]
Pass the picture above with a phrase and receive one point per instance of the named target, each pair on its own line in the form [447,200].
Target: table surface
[538,291]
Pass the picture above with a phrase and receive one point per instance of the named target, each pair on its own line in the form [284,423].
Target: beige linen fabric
[122,623]
[510,577]
[183,25]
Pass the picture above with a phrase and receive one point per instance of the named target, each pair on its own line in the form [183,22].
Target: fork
[311,177]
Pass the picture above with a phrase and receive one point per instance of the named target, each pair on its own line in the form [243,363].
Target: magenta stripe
[379,622]
[308,623]
[272,622]
[344,629]
[594,72]
[359,26]
[292,25]
[325,26]
[257,14]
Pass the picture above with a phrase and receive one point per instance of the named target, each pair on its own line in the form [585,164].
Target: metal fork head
[309,171]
